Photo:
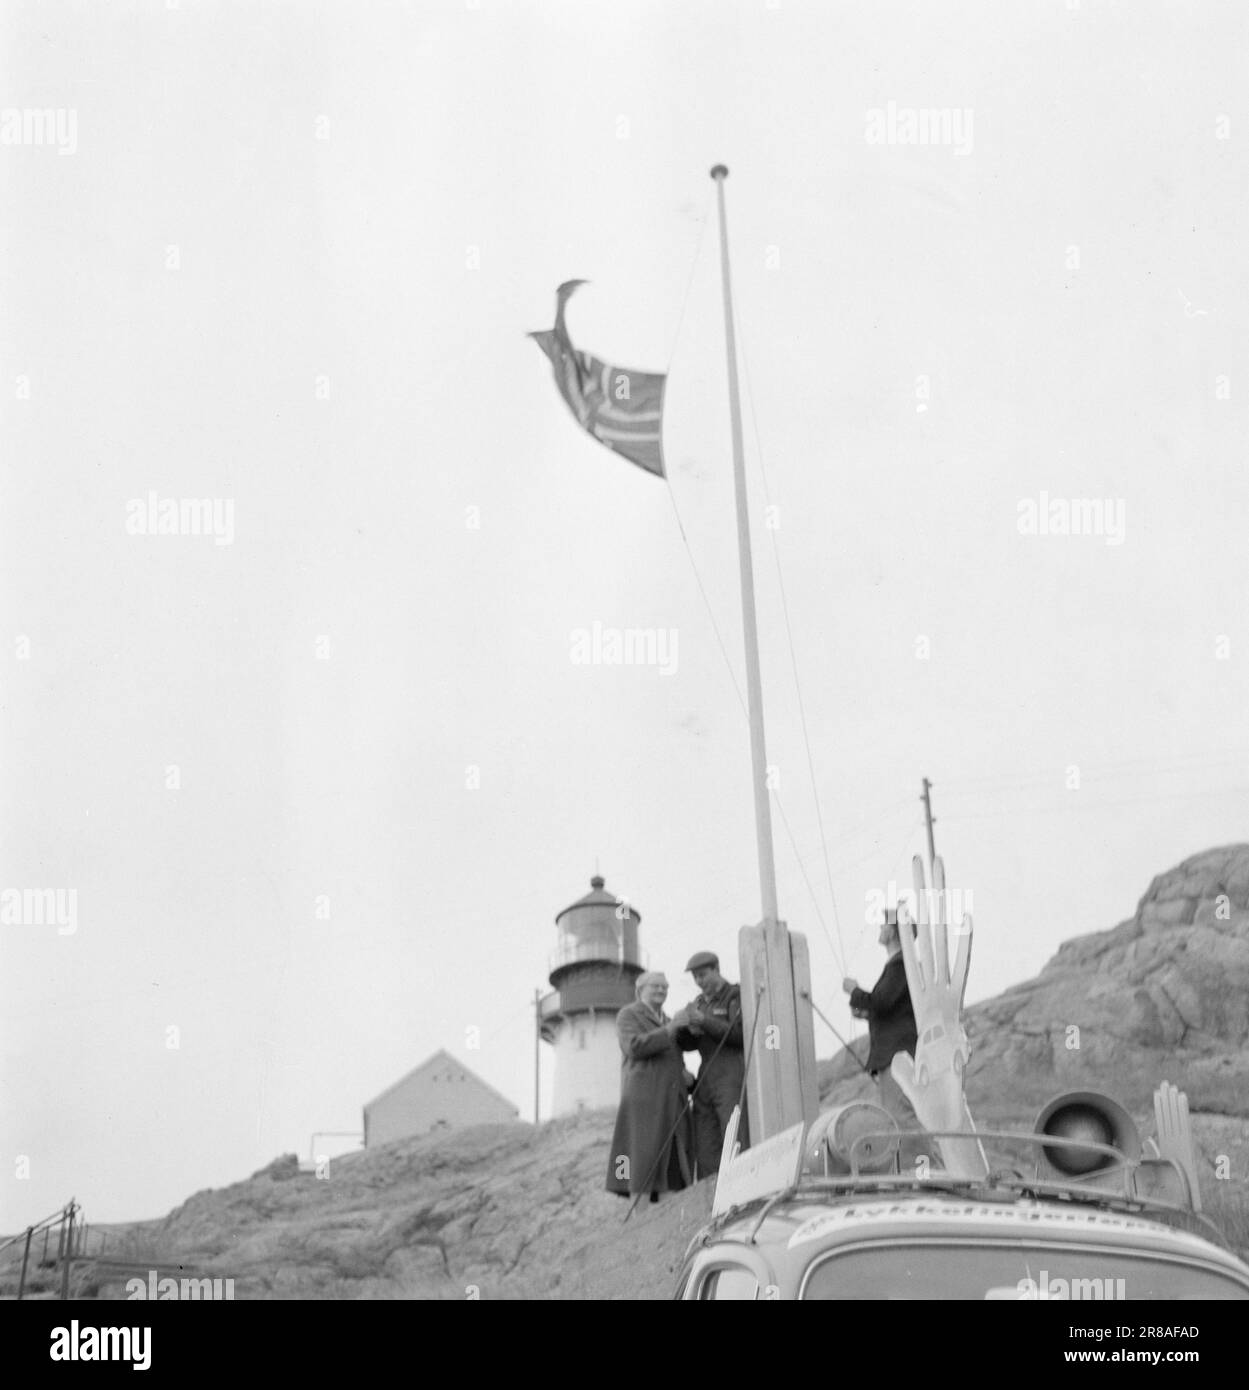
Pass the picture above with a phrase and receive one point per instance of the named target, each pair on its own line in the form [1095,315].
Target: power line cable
[728,662]
[1079,804]
[793,656]
[742,703]
[1145,766]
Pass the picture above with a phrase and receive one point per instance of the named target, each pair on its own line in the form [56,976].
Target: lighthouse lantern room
[592,977]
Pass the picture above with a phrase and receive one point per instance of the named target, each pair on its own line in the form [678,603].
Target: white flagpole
[754,684]
[775,969]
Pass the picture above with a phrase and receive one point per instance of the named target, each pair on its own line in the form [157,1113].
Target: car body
[901,1238]
[1074,1208]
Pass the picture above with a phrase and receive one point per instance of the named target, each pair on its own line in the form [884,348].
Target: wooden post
[69,1247]
[21,1283]
[778,1027]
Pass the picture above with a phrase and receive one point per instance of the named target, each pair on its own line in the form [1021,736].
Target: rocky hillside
[497,1211]
[514,1212]
[1164,995]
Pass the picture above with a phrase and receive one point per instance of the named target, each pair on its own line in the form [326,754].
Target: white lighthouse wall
[587,1064]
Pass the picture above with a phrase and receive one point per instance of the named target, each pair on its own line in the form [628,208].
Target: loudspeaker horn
[1092,1117]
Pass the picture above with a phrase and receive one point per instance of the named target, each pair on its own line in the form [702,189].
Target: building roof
[599,897]
[442,1055]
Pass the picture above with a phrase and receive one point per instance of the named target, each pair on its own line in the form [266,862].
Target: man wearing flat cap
[714,1029]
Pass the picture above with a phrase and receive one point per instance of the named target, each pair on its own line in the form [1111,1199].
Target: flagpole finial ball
[720,171]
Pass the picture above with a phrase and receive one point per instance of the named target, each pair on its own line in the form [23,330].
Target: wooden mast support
[775,967]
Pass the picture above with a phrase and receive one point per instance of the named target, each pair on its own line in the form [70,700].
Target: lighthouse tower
[595,964]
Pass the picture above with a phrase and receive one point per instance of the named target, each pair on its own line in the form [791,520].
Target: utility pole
[927,800]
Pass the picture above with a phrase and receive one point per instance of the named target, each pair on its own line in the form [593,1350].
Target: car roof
[818,1221]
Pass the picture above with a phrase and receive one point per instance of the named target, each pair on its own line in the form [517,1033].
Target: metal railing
[584,951]
[73,1239]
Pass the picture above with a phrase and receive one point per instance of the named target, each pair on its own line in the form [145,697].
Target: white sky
[539,142]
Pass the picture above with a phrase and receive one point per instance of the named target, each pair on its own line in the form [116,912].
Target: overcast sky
[320,788]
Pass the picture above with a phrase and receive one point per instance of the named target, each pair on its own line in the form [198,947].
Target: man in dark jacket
[714,1030]
[890,1018]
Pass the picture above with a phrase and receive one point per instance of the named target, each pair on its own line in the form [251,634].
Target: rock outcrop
[492,1212]
[1163,995]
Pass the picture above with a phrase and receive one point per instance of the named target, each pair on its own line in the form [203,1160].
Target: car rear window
[985,1270]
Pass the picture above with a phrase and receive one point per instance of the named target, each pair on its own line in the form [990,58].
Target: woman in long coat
[650,1150]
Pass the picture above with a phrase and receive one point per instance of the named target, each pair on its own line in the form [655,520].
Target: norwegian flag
[622,409]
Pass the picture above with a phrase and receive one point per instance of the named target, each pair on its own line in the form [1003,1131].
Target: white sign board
[767,1167]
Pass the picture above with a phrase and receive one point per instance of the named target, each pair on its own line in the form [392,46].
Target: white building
[593,972]
[439,1094]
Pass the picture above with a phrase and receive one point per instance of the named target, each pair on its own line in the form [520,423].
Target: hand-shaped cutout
[1175,1134]
[933,1081]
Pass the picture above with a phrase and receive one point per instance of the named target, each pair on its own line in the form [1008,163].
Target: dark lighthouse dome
[597,937]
